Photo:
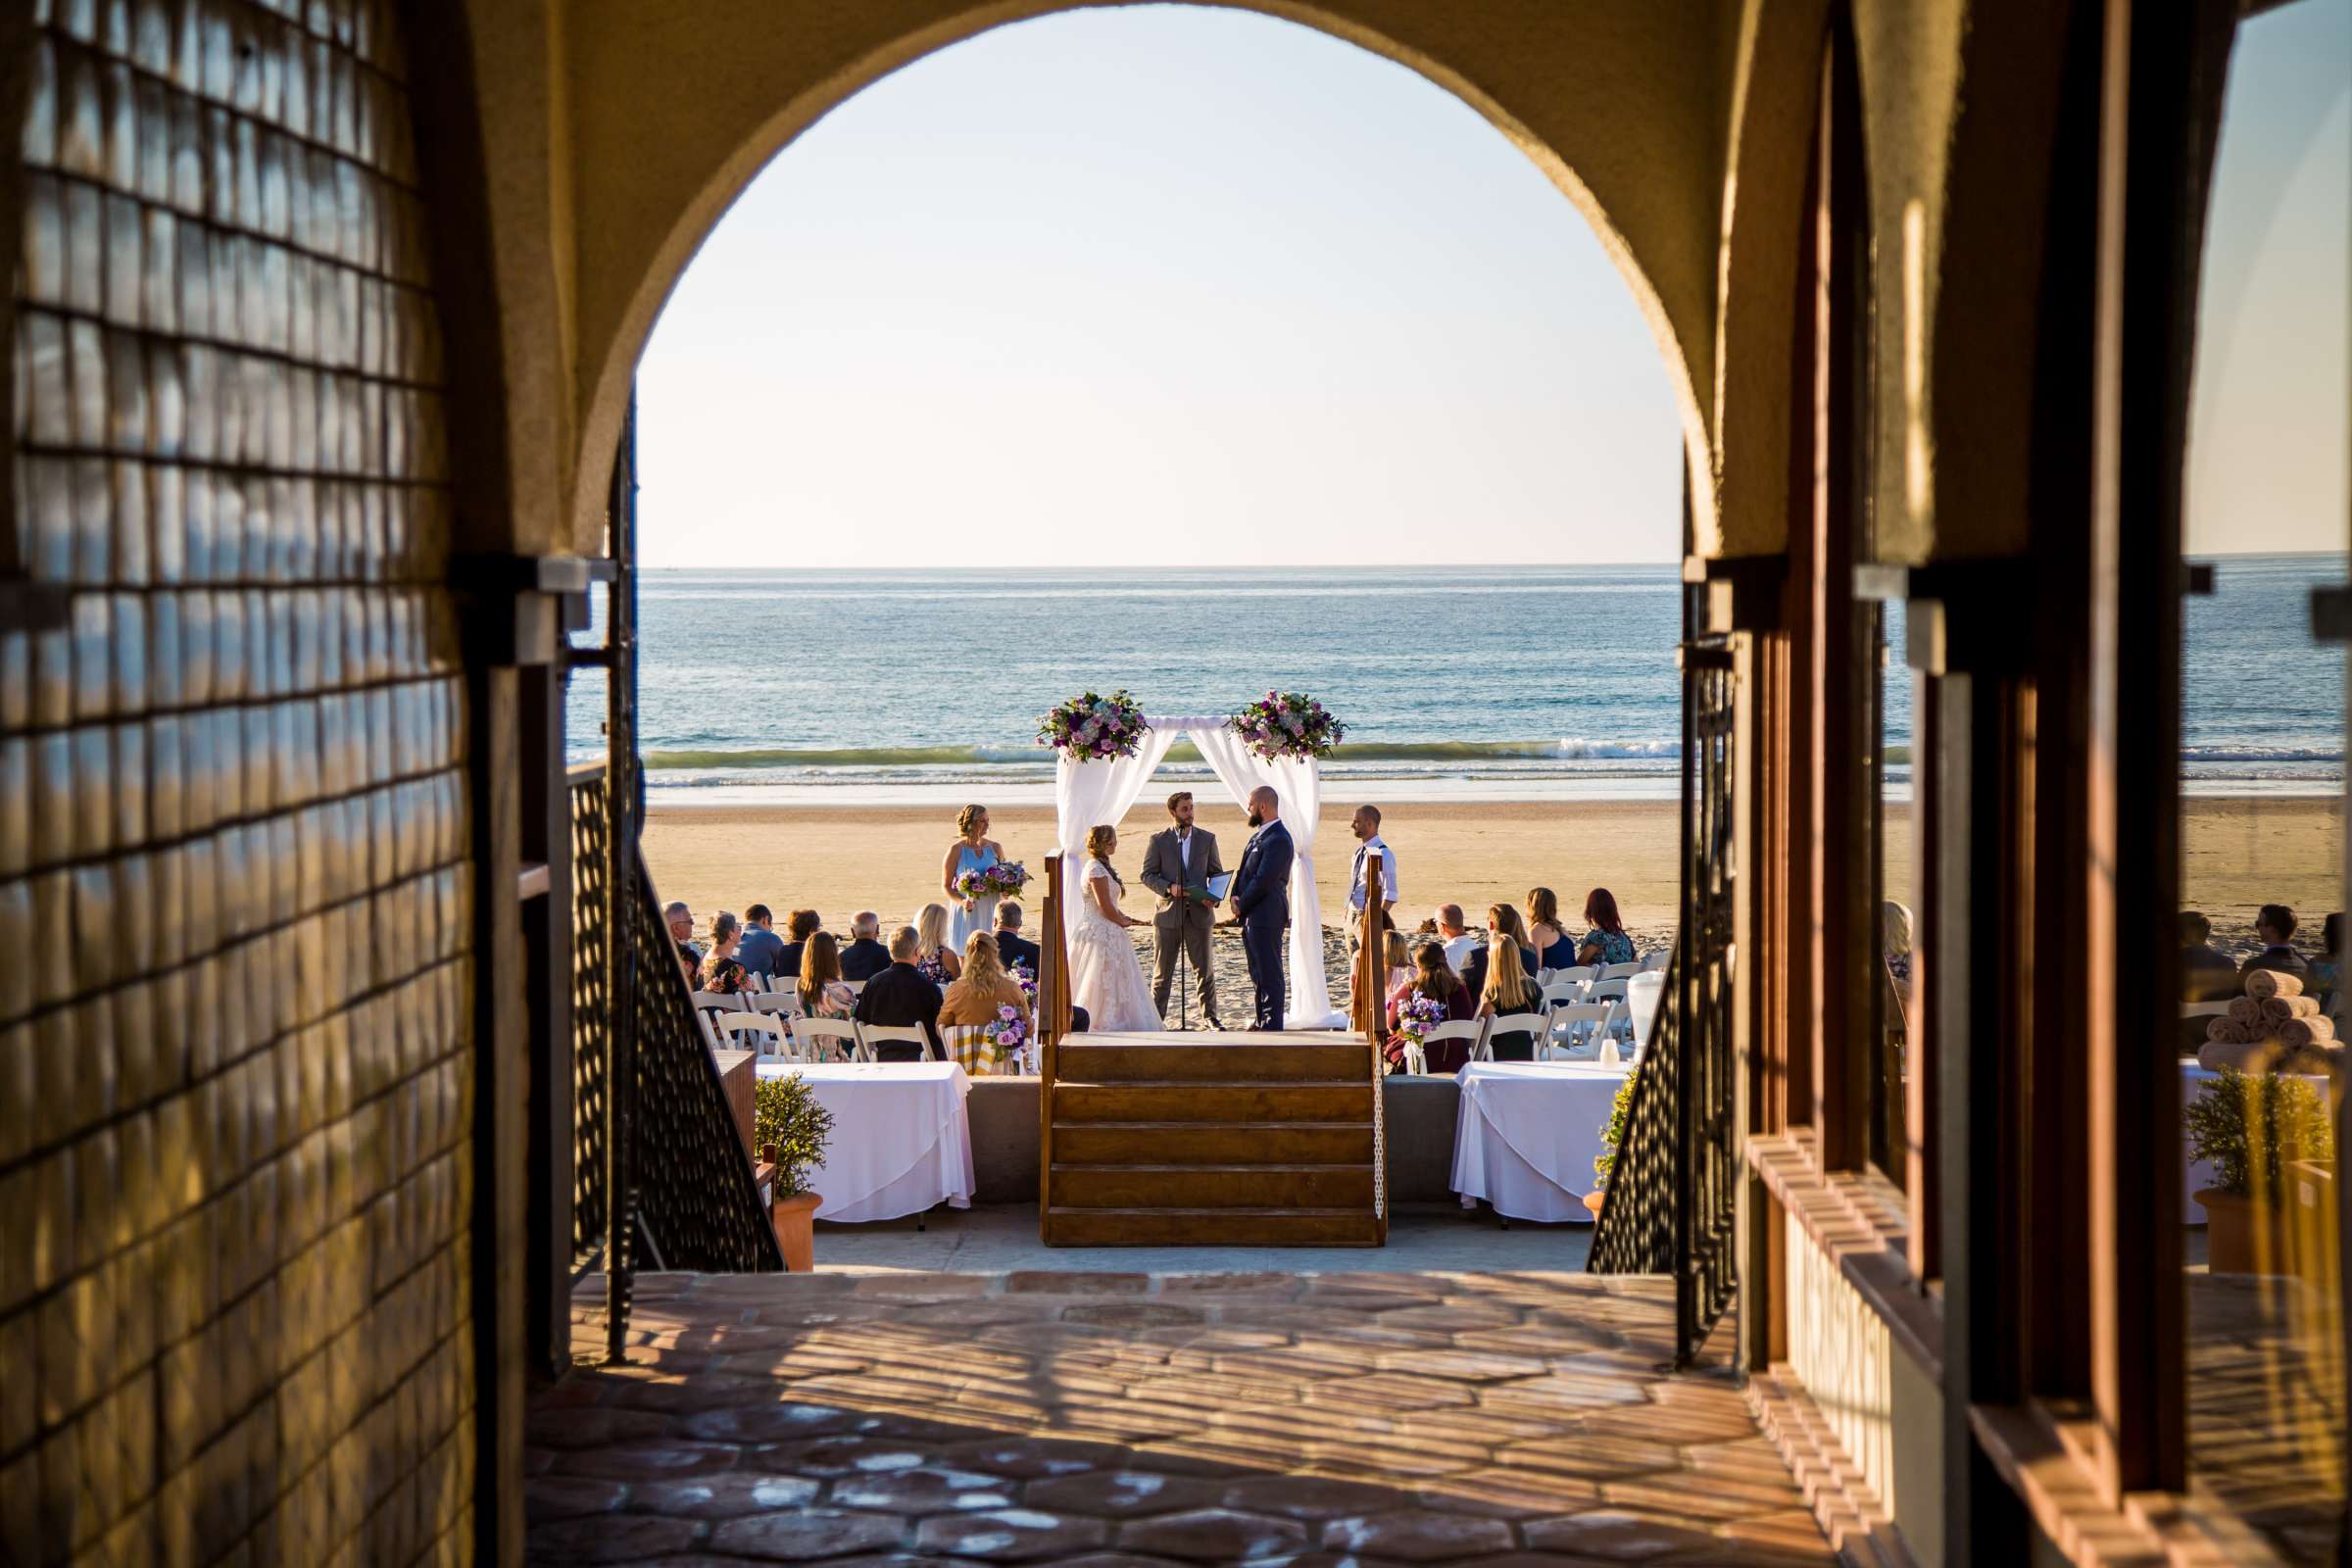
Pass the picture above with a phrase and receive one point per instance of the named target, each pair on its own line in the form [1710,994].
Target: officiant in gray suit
[1177,866]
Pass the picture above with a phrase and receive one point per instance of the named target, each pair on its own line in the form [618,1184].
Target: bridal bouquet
[1287,724]
[1416,1017]
[1093,728]
[1003,881]
[1007,1034]
[1028,982]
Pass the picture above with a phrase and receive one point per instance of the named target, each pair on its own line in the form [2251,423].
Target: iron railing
[591,1018]
[697,1205]
[687,1198]
[1674,1187]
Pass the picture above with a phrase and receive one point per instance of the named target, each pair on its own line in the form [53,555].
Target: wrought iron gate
[1674,1187]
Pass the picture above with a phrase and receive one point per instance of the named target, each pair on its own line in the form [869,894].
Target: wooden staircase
[1212,1139]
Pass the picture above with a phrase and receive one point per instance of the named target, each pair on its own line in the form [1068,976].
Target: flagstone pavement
[1099,1419]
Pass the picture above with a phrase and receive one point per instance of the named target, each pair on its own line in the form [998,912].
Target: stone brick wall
[235,980]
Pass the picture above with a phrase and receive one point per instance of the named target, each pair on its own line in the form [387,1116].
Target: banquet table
[901,1141]
[1527,1133]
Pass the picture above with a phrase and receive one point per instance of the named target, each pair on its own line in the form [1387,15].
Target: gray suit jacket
[1163,872]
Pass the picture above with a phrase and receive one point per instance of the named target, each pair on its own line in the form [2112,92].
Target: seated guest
[1895,942]
[938,960]
[1502,922]
[760,947]
[801,926]
[2205,974]
[1459,941]
[975,996]
[2328,969]
[1553,950]
[681,920]
[1432,978]
[1606,941]
[1508,989]
[822,991]
[902,995]
[722,972]
[2275,926]
[865,957]
[1398,957]
[1012,946]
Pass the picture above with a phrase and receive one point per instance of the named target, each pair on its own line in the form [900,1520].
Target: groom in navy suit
[1261,900]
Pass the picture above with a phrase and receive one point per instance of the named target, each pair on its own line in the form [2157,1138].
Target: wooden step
[1180,1143]
[1180,1187]
[1129,1060]
[1211,1227]
[1232,1104]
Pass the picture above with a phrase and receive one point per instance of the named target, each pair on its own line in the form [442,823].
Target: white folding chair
[1563,991]
[1530,1023]
[702,1021]
[830,1040]
[758,1033]
[1655,958]
[1570,1021]
[778,1004]
[1416,1053]
[717,1001]
[1619,971]
[1582,974]
[872,1035]
[1607,990]
[1544,974]
[856,987]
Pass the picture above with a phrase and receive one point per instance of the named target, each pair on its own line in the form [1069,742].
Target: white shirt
[1387,873]
[1183,851]
[1458,949]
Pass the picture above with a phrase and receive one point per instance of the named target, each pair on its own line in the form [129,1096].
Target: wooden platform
[1213,1139]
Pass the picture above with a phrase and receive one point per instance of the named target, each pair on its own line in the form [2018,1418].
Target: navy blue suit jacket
[1263,881]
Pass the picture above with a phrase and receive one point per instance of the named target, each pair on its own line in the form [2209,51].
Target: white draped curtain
[1089,793]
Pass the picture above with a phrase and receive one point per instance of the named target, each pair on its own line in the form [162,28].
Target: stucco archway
[1604,98]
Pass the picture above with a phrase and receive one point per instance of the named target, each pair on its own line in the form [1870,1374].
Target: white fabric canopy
[1088,793]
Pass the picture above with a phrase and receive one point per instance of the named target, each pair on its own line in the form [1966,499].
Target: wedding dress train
[1106,978]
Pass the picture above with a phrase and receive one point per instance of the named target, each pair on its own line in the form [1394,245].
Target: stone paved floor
[1097,1418]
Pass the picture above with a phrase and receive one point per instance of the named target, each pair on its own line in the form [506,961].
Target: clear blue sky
[2271,422]
[1174,285]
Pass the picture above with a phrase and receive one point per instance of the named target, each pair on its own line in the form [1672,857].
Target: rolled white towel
[2264,984]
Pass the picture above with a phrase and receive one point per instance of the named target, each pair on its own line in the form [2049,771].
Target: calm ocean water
[1538,683]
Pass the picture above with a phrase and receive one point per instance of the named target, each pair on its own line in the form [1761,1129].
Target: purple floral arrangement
[1417,1016]
[1000,881]
[1028,982]
[1093,728]
[1284,724]
[1008,1033]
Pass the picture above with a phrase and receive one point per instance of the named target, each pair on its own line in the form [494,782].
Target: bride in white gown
[1106,978]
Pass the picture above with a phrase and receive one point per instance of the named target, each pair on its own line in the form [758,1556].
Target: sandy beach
[2240,854]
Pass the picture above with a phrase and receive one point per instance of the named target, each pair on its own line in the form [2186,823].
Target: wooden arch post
[1372,959]
[1053,1022]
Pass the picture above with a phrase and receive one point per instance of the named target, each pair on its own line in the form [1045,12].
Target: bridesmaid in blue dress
[1555,948]
[974,851]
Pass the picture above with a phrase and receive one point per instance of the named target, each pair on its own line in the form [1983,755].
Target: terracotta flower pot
[795,1220]
[2243,1236]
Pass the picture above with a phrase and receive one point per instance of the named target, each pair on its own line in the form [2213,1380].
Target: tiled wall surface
[234,984]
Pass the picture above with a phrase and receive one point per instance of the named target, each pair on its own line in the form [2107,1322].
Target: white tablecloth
[1527,1135]
[901,1141]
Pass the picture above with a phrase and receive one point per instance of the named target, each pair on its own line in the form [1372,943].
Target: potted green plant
[1621,1110]
[2252,1128]
[791,1127]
